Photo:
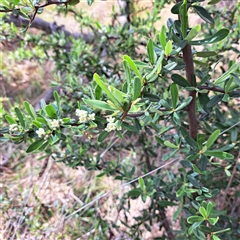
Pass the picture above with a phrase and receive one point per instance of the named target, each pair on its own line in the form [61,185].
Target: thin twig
[229,184]
[120,187]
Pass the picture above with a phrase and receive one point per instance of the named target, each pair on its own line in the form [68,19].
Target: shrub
[145,103]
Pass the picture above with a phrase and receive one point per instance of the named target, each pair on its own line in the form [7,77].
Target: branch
[49,28]
[217,89]
[139,114]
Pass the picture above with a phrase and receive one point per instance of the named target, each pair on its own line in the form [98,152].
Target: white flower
[110,127]
[55,123]
[40,132]
[82,114]
[91,116]
[110,119]
[13,127]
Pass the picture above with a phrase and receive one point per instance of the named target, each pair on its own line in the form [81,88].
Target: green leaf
[214,2]
[158,67]
[74,2]
[184,18]
[20,116]
[206,54]
[193,32]
[51,112]
[169,144]
[214,100]
[137,86]
[98,92]
[177,213]
[35,145]
[56,97]
[90,2]
[195,218]
[214,236]
[162,37]
[203,13]
[169,155]
[181,81]
[227,74]
[165,203]
[119,96]
[179,47]
[37,124]
[196,169]
[97,104]
[151,97]
[203,212]
[98,80]
[200,140]
[218,36]
[127,73]
[135,193]
[193,181]
[213,137]
[29,108]
[220,155]
[150,50]
[213,221]
[129,127]
[184,103]
[132,65]
[168,48]
[141,183]
[102,136]
[209,208]
[174,94]
[10,120]
[159,140]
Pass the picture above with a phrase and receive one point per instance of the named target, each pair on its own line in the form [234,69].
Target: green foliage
[142,97]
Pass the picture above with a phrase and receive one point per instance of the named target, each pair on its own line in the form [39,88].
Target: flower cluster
[111,124]
[56,123]
[84,116]
[13,127]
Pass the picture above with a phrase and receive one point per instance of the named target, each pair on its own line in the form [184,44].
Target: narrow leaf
[184,103]
[169,144]
[29,108]
[220,155]
[217,37]
[99,104]
[227,74]
[132,65]
[181,81]
[137,86]
[184,18]
[203,212]
[193,219]
[193,32]
[10,120]
[203,13]
[102,136]
[98,80]
[150,50]
[162,37]
[141,183]
[56,97]
[168,48]
[212,138]
[206,54]
[174,94]
[35,145]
